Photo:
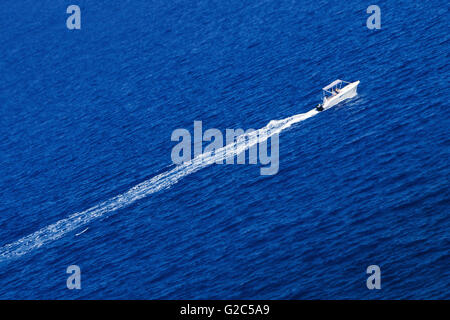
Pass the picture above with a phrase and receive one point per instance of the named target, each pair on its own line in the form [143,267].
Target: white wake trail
[162,181]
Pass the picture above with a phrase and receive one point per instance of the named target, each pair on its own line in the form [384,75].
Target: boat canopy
[333,84]
[336,83]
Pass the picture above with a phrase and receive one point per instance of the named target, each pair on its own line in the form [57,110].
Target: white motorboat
[336,92]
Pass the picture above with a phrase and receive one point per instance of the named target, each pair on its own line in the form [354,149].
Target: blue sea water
[86,115]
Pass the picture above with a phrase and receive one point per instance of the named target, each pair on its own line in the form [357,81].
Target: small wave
[80,233]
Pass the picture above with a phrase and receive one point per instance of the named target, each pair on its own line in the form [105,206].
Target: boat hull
[349,91]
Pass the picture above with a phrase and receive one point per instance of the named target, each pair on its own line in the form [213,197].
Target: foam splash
[162,181]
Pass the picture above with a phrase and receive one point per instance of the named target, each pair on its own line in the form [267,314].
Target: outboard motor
[319,107]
